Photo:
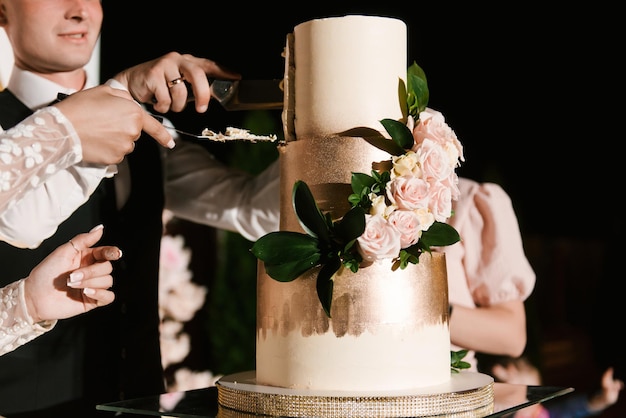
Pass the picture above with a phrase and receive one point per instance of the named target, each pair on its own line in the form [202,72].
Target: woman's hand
[108,122]
[75,278]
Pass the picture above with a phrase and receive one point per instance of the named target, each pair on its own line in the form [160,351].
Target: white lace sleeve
[34,150]
[16,325]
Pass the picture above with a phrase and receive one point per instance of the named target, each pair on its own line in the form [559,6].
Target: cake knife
[244,94]
[247,94]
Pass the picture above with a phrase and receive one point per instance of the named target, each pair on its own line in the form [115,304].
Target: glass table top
[202,403]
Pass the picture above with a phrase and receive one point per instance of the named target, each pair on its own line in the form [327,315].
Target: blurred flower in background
[179,300]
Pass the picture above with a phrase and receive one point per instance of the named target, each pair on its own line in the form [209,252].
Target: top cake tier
[342,74]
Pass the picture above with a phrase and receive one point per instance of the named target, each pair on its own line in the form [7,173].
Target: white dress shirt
[198,187]
[38,213]
[201,189]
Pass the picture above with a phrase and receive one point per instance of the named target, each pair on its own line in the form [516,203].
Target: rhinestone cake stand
[468,394]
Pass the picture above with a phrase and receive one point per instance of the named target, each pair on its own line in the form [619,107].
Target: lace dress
[30,153]
[34,150]
[16,326]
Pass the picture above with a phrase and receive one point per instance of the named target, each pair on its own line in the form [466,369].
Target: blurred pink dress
[488,266]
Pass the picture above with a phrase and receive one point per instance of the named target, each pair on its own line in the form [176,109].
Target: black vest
[112,352]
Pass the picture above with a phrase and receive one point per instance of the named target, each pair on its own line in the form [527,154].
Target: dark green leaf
[352,264]
[281,246]
[361,181]
[351,226]
[418,94]
[415,70]
[456,361]
[456,356]
[356,200]
[409,255]
[325,283]
[350,256]
[399,132]
[363,185]
[311,218]
[439,234]
[291,270]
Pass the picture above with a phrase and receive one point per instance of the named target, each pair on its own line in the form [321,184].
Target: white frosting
[392,359]
[347,72]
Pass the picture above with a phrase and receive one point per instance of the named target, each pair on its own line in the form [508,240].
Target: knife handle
[221,90]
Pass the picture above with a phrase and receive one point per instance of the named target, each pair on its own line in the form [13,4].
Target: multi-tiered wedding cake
[388,329]
[350,299]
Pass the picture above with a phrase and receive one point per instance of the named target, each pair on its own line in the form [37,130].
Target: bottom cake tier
[467,394]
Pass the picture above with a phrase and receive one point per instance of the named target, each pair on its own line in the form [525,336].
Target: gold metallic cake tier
[326,164]
[468,394]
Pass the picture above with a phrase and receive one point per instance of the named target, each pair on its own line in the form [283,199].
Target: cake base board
[467,394]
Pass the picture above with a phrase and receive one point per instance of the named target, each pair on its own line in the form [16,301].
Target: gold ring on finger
[175,81]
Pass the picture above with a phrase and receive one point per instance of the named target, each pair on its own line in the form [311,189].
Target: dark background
[535,96]
[532,94]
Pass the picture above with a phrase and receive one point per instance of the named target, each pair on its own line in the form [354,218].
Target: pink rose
[408,192]
[380,240]
[432,125]
[407,223]
[440,202]
[452,182]
[434,160]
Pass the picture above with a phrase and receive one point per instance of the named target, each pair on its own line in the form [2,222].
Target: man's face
[51,36]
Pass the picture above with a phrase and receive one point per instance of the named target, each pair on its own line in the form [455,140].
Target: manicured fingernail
[171,144]
[114,254]
[95,228]
[88,291]
[75,278]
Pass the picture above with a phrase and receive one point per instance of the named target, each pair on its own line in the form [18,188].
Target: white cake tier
[347,73]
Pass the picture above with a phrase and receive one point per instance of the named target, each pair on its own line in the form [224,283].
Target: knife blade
[248,94]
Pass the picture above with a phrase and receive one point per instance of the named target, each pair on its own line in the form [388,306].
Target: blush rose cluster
[423,183]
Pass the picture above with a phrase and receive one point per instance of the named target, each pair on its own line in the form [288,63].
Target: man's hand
[162,81]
